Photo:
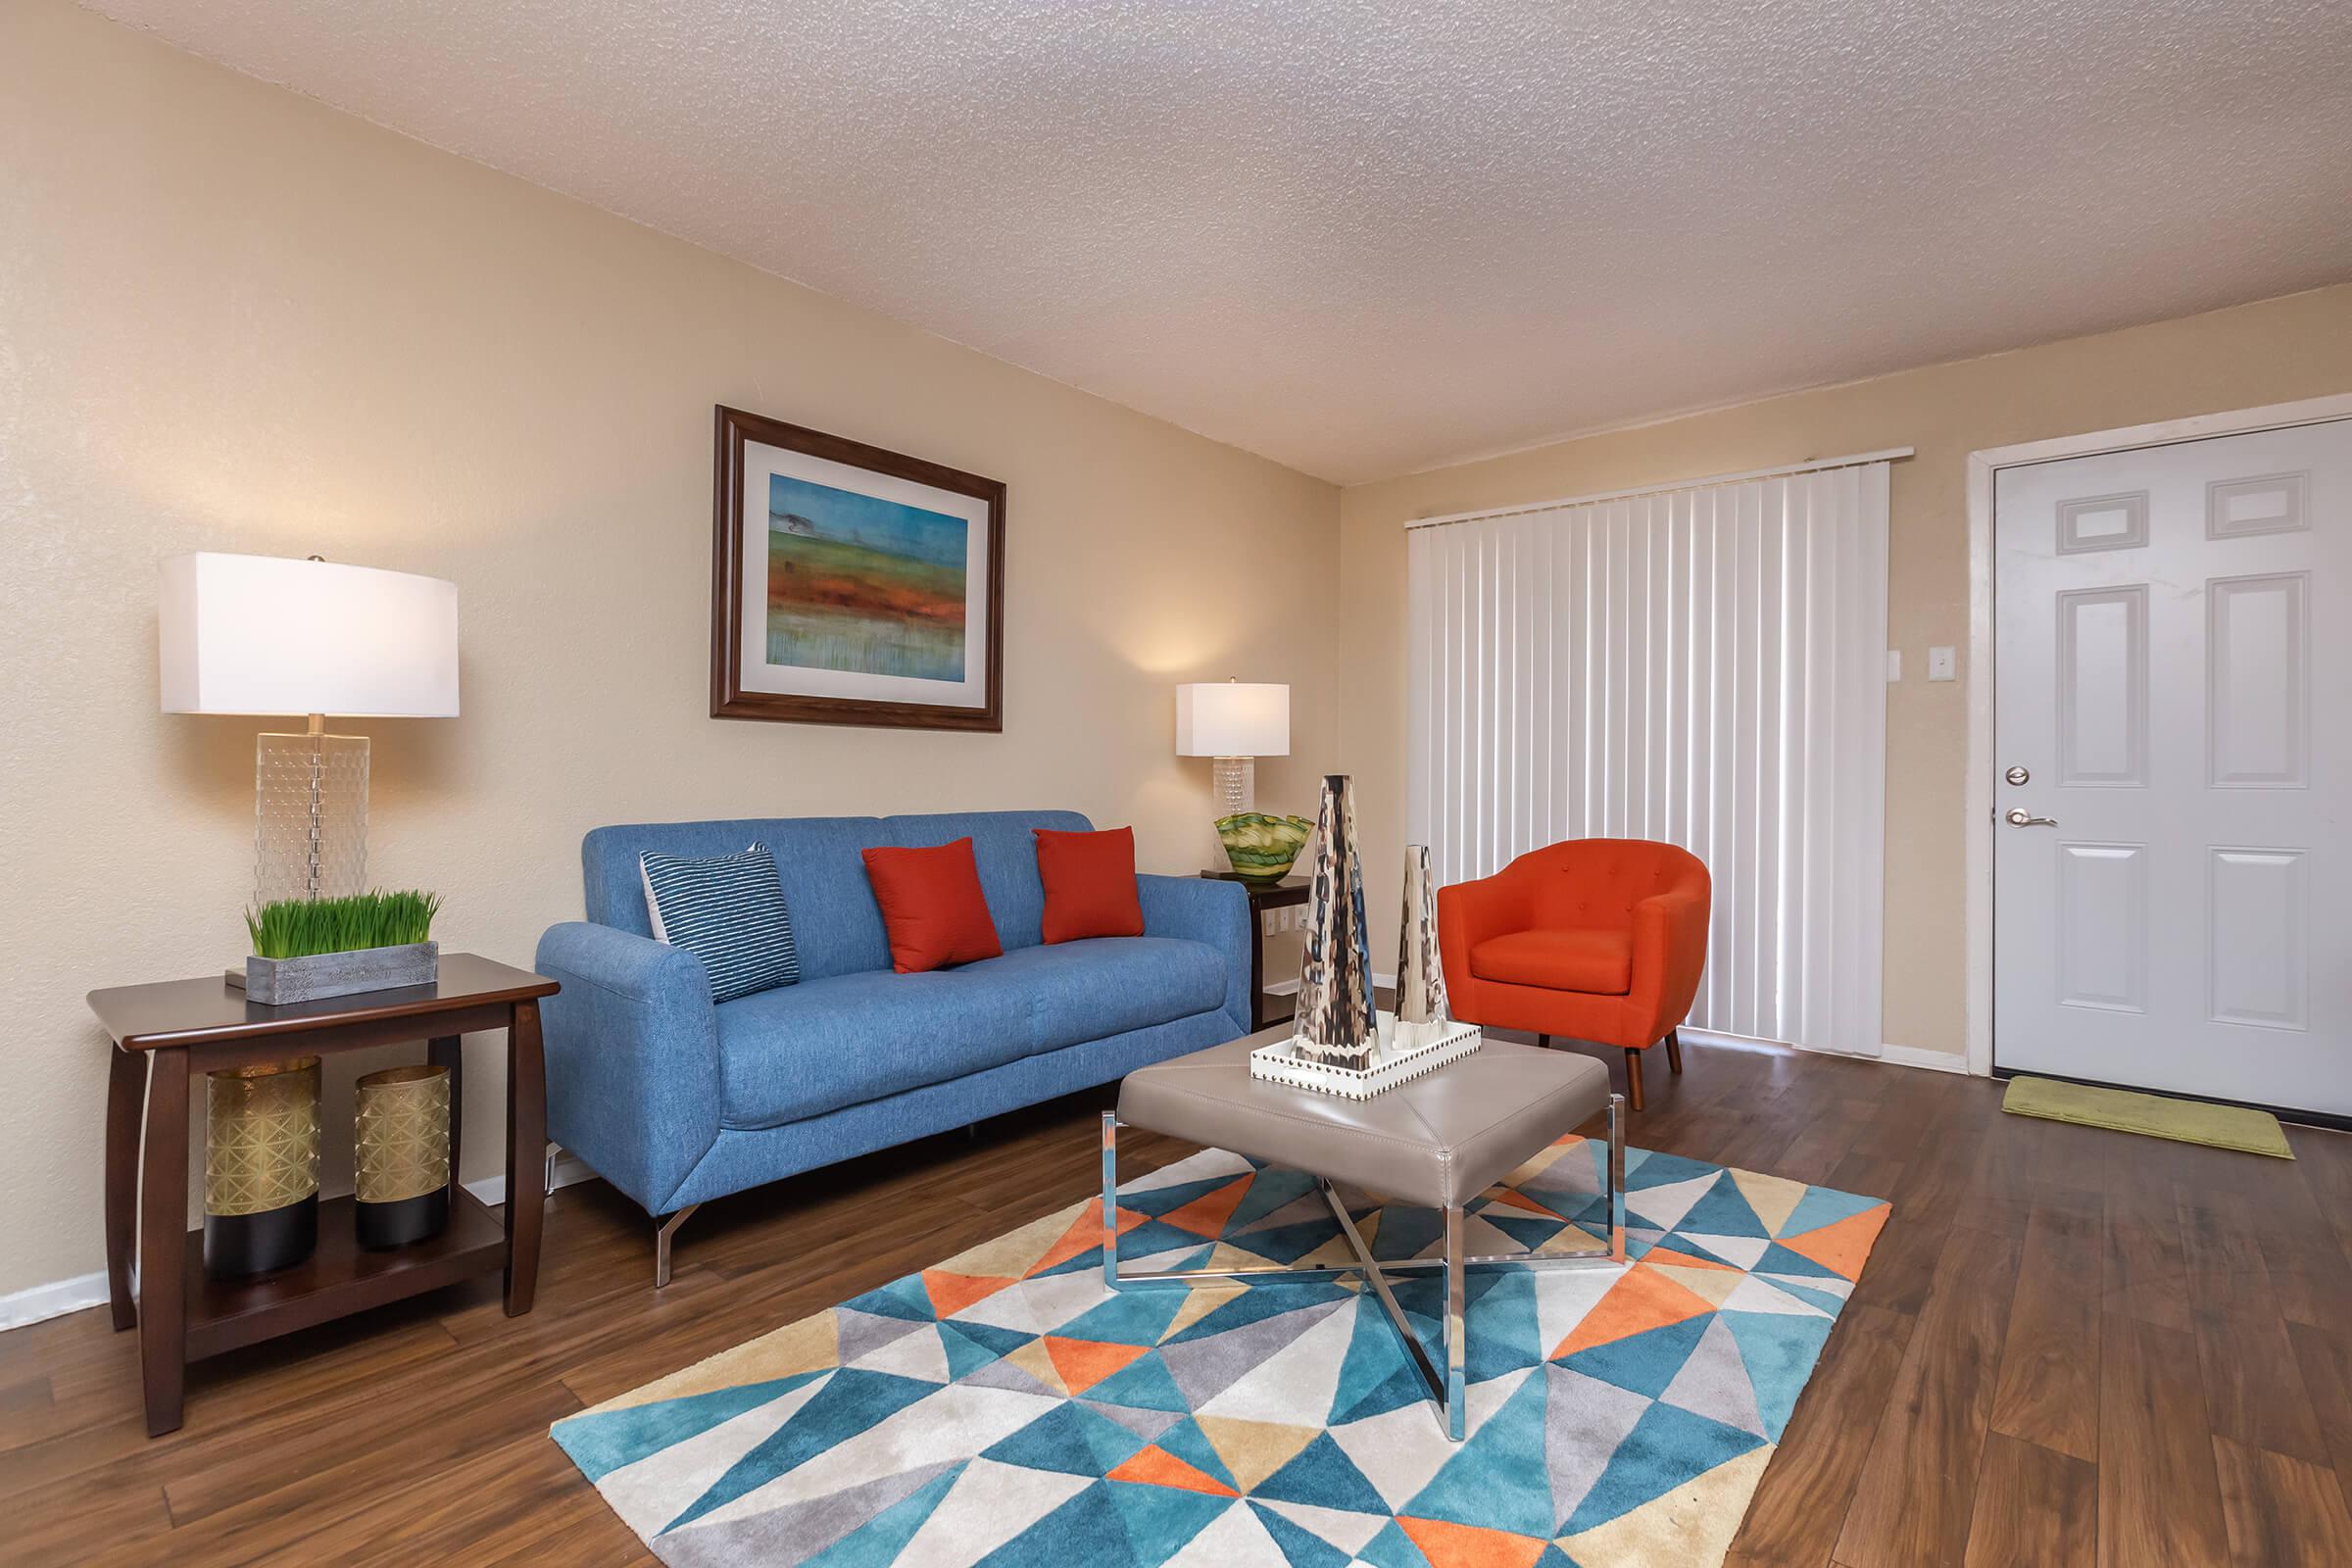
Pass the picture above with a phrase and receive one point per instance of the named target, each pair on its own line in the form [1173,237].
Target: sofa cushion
[1090,884]
[824,1044]
[727,910]
[1100,986]
[932,904]
[1595,962]
[805,1050]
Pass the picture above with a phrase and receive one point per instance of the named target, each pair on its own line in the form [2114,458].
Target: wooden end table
[1263,895]
[167,1033]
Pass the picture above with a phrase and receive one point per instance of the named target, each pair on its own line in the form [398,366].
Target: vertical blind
[1702,665]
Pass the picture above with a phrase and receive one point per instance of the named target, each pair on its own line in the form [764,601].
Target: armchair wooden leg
[1633,1077]
[1673,1050]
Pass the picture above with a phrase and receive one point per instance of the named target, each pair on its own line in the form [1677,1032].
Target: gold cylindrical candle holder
[401,1136]
[260,1167]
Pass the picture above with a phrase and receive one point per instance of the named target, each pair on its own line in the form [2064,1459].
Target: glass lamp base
[1233,780]
[310,803]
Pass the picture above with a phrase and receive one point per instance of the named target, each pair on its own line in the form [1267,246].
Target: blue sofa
[674,1099]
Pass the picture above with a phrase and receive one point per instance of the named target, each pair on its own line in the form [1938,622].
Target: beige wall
[233,319]
[2273,352]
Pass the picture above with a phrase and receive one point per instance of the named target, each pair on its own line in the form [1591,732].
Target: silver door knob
[2020,817]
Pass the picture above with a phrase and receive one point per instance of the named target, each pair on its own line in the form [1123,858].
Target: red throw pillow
[1090,884]
[932,906]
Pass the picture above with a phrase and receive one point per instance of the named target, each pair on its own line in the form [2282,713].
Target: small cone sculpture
[1337,1024]
[1420,977]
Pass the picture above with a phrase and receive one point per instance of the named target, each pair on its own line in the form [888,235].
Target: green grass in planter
[296,928]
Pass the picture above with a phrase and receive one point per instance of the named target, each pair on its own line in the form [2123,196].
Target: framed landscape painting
[852,585]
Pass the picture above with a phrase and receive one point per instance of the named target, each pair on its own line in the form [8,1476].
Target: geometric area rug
[1005,1409]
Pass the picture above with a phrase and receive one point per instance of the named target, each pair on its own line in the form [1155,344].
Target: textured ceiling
[1367,237]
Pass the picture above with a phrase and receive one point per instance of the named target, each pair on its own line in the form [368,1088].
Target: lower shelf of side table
[338,1278]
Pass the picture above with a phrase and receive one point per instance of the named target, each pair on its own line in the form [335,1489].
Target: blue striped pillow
[727,910]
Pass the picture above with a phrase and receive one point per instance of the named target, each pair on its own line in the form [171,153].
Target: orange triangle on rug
[1643,1300]
[952,1292]
[1083,1236]
[1083,1363]
[1156,1466]
[1206,1214]
[1452,1545]
[1842,1245]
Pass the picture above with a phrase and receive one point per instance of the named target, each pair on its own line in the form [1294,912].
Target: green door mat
[2187,1122]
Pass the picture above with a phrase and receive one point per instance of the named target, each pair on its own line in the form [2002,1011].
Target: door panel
[2103,686]
[2258,666]
[2258,935]
[2173,674]
[2102,926]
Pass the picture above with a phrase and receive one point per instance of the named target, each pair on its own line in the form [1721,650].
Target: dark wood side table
[167,1033]
[1263,895]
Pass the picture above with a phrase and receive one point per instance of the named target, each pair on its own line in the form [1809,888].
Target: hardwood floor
[2072,1346]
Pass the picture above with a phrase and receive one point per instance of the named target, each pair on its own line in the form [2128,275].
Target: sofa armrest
[1204,909]
[633,1057]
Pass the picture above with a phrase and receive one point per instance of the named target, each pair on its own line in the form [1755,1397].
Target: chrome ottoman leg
[1616,1178]
[1110,1200]
[1457,1343]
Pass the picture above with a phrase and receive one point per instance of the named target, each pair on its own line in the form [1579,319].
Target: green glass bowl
[1262,848]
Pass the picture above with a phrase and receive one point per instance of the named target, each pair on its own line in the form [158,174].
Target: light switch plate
[1943,664]
[1895,666]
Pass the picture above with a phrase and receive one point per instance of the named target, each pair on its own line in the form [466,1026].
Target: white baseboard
[1708,1037]
[570,1170]
[38,1304]
[1919,1056]
[1893,1055]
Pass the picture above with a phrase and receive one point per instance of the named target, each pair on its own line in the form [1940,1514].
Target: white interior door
[2172,904]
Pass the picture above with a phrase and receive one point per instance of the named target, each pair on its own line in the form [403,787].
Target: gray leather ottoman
[1436,1142]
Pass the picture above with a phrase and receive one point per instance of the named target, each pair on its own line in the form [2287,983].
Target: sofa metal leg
[1543,1042]
[669,1228]
[1673,1050]
[548,1187]
[1633,1077]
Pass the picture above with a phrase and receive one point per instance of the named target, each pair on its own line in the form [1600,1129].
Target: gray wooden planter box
[273,982]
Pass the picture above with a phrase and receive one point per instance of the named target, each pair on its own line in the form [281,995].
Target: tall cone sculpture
[1337,1024]
[1420,977]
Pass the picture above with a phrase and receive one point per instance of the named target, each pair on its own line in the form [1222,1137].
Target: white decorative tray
[1405,1051]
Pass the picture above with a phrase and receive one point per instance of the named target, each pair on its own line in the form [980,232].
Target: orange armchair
[1595,939]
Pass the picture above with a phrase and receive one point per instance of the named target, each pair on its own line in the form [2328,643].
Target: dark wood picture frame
[728,699]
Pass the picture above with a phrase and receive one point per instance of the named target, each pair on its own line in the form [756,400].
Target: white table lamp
[1233,721]
[264,634]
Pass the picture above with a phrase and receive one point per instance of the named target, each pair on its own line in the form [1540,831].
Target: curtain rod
[1858,458]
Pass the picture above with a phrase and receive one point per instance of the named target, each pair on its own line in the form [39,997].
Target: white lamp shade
[1233,718]
[262,634]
